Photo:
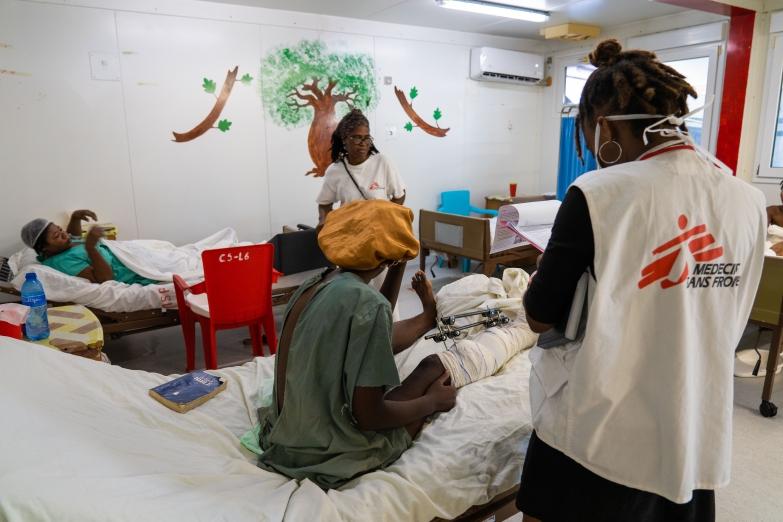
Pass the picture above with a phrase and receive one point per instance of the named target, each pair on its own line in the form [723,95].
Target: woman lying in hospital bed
[65,251]
[339,409]
[113,276]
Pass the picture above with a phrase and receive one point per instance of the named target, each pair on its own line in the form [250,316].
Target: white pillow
[21,259]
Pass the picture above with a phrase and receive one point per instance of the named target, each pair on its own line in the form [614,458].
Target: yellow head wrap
[363,234]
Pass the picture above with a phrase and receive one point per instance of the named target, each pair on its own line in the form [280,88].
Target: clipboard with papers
[524,224]
[531,224]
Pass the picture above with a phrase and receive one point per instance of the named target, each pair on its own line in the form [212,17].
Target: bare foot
[423,288]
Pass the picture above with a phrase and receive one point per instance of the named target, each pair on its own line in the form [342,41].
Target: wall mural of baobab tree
[308,84]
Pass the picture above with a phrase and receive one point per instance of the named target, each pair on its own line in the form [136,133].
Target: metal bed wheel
[768,409]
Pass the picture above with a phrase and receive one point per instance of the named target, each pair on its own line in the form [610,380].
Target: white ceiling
[604,13]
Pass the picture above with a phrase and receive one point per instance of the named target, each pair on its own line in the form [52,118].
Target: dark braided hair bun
[606,54]
[630,82]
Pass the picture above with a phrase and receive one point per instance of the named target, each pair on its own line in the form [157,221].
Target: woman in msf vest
[633,418]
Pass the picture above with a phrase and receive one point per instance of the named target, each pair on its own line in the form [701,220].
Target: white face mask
[675,132]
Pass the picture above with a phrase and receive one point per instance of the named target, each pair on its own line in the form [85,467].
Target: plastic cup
[512,189]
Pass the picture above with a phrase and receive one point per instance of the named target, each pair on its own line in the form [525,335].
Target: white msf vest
[645,399]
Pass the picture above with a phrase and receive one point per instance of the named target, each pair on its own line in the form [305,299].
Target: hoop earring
[619,152]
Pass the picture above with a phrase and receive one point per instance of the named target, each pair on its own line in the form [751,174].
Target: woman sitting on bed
[64,250]
[339,409]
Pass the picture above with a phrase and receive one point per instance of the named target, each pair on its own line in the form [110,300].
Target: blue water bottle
[37,325]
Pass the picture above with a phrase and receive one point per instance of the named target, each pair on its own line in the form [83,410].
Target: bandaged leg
[484,354]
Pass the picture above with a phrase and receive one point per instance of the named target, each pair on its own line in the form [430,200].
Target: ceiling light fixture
[496,9]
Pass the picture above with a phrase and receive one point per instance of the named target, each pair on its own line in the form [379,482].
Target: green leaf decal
[209,86]
[246,79]
[414,92]
[437,114]
[409,127]
[224,125]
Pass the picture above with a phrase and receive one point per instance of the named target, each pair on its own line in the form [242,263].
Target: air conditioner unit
[500,65]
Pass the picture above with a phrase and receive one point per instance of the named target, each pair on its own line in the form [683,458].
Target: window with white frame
[696,71]
[770,138]
[575,77]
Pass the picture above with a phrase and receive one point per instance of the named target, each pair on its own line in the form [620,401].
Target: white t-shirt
[377,178]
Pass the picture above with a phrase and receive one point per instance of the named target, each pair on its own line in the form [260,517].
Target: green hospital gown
[74,260]
[342,340]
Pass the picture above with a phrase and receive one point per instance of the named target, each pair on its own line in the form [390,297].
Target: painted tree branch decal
[306,84]
[407,106]
[208,122]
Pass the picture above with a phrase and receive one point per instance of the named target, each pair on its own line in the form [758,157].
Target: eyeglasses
[358,140]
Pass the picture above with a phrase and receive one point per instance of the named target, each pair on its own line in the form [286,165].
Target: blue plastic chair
[458,202]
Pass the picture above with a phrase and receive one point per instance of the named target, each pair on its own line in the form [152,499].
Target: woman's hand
[77,216]
[82,215]
[101,270]
[443,396]
[93,236]
[778,248]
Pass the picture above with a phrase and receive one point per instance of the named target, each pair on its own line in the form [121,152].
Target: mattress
[82,441]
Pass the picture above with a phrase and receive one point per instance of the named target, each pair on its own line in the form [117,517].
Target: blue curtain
[569,167]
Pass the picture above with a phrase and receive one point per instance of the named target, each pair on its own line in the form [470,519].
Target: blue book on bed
[188,391]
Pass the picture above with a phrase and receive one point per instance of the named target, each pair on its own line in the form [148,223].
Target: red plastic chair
[236,291]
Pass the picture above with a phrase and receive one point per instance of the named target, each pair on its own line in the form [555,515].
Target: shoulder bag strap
[288,332]
[353,179]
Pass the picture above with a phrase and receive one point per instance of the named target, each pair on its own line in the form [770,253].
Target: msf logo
[700,245]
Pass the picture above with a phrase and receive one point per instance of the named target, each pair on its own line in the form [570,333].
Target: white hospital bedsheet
[152,259]
[774,235]
[83,441]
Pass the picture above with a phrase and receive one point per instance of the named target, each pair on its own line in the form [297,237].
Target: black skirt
[555,488]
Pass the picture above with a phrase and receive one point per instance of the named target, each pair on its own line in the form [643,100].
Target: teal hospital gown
[342,340]
[74,260]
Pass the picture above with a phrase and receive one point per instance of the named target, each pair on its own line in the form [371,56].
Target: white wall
[68,141]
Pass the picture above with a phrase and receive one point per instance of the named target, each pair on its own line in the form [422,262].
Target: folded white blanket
[774,235]
[160,260]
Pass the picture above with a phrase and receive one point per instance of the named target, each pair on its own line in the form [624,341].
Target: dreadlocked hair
[630,82]
[347,125]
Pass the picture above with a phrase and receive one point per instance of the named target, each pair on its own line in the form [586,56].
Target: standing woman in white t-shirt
[358,170]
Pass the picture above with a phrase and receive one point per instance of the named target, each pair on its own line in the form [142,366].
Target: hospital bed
[118,324]
[767,312]
[83,441]
[468,237]
[121,309]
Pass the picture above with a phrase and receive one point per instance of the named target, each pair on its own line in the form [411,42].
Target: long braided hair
[630,82]
[347,125]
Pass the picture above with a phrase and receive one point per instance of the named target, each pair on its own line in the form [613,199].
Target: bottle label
[34,300]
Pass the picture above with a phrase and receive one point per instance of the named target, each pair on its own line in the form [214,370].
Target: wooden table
[495,202]
[767,312]
[74,329]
